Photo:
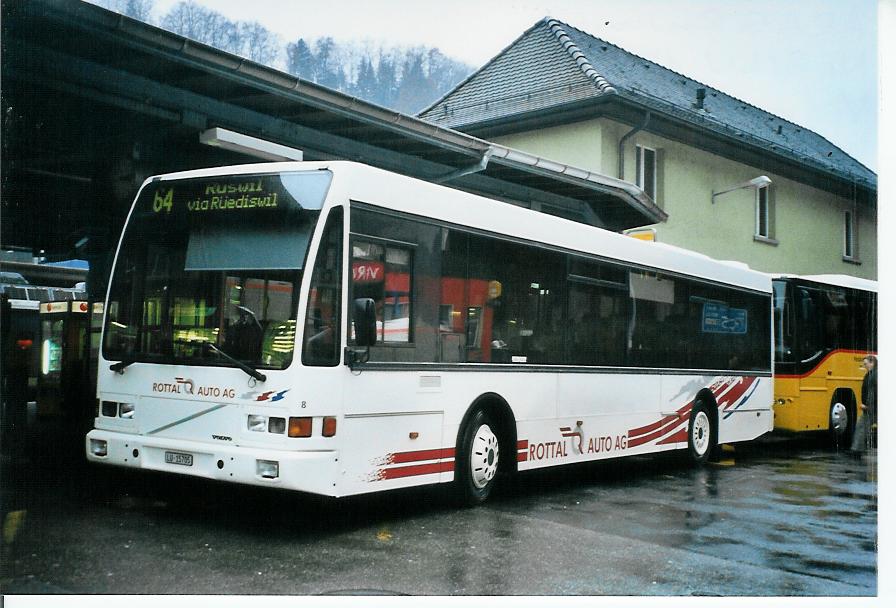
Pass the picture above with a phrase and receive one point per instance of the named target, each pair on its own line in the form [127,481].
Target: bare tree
[203,25]
[136,9]
[258,43]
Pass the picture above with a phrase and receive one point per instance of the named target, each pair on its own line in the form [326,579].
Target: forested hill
[400,78]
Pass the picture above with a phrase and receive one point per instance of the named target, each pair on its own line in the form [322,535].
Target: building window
[762,212]
[645,170]
[849,235]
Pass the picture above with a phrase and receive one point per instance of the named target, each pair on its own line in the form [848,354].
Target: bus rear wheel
[478,457]
[702,434]
[840,423]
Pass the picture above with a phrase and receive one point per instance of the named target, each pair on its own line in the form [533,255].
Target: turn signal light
[329,426]
[300,427]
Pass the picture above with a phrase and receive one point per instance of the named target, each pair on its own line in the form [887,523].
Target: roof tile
[553,64]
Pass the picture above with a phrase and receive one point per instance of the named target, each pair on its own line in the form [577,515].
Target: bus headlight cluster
[115,409]
[262,424]
[297,426]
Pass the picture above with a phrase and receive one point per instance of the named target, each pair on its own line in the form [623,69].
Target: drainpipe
[625,138]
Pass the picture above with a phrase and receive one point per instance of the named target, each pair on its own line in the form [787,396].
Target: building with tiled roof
[566,95]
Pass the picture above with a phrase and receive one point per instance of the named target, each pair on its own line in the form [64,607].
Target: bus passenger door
[813,390]
[787,379]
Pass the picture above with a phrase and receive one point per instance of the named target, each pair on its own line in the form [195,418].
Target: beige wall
[807,222]
[577,144]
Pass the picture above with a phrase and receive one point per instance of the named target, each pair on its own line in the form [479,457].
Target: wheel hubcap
[484,457]
[700,433]
[839,418]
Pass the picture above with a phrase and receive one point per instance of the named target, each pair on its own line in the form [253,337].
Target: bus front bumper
[316,472]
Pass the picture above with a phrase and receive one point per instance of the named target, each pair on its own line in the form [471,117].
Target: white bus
[337,329]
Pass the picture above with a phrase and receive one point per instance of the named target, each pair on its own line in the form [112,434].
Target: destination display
[244,195]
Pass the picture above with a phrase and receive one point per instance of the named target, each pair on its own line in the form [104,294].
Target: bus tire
[478,458]
[840,421]
[702,434]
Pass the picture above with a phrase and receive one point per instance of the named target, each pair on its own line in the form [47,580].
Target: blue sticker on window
[720,319]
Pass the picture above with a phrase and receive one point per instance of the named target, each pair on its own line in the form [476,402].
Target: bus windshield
[213,261]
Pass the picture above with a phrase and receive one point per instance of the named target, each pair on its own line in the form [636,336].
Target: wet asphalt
[777,517]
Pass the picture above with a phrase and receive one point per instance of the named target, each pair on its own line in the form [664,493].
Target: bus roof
[839,280]
[382,188]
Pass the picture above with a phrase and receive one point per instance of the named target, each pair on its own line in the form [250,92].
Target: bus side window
[783,323]
[322,325]
[810,338]
[598,313]
[382,272]
[837,331]
[515,303]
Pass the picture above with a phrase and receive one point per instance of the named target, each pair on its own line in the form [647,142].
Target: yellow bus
[824,327]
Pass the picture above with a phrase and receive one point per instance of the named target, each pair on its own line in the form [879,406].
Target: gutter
[628,192]
[625,138]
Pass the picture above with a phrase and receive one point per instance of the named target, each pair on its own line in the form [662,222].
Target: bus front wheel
[477,459]
[702,436]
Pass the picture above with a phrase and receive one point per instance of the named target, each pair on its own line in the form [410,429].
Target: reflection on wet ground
[776,517]
[792,505]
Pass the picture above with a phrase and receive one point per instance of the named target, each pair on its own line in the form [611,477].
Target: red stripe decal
[634,442]
[522,450]
[731,397]
[645,434]
[417,469]
[661,422]
[680,435]
[402,457]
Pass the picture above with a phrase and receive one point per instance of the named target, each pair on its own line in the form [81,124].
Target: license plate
[179,458]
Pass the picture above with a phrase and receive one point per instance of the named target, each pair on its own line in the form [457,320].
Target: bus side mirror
[364,317]
[364,320]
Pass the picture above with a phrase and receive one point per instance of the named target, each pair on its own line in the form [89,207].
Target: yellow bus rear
[824,327]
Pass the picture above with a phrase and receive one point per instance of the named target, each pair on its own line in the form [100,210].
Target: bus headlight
[277,425]
[257,423]
[110,409]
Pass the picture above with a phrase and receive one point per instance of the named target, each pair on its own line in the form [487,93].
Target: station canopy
[94,102]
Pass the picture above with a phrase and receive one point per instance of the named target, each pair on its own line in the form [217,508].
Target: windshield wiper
[126,361]
[243,366]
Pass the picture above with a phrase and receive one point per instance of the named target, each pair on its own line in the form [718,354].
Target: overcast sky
[813,62]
